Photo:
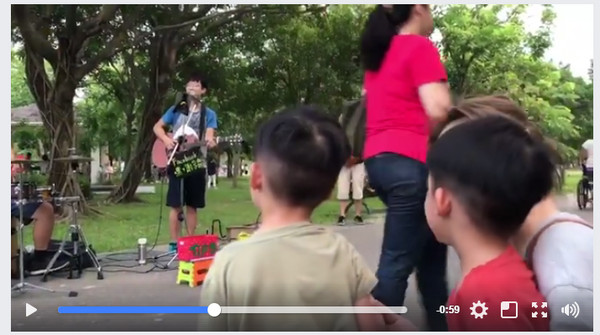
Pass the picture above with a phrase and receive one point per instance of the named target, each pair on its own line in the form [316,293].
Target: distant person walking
[211,168]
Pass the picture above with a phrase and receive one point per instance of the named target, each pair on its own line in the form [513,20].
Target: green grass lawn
[119,227]
[571,179]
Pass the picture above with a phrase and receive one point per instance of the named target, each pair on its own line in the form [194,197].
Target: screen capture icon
[509,309]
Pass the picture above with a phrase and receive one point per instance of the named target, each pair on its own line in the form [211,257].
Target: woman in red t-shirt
[407,93]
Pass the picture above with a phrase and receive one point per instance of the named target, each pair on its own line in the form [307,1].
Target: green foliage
[103,120]
[26,136]
[262,65]
[19,91]
[488,51]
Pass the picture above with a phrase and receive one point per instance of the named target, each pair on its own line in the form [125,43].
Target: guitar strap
[202,123]
[201,131]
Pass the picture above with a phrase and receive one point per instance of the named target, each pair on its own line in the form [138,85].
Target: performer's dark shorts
[194,187]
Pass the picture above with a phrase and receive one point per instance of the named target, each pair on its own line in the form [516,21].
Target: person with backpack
[352,176]
[406,94]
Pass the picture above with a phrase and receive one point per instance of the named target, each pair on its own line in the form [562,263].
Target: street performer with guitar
[192,124]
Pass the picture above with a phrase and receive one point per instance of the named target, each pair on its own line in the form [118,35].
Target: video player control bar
[215,310]
[311,310]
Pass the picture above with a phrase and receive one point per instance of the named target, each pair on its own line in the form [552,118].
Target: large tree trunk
[129,118]
[229,163]
[163,59]
[148,171]
[64,50]
[236,167]
[61,119]
[55,103]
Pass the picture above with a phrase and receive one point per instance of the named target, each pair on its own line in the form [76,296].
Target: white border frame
[6,320]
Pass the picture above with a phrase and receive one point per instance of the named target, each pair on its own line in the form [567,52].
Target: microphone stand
[179,141]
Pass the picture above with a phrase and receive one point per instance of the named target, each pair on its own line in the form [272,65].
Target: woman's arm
[436,100]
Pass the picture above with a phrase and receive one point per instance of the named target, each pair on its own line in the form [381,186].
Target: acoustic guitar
[191,143]
[161,155]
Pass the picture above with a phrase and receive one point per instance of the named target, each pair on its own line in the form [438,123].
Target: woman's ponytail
[379,31]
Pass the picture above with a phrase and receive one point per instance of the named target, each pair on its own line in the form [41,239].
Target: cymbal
[73,159]
[25,161]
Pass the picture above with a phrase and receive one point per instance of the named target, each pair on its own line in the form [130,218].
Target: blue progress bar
[133,310]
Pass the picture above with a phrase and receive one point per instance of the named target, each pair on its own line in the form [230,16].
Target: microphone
[183,101]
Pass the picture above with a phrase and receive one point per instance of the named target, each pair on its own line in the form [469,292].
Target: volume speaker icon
[570,310]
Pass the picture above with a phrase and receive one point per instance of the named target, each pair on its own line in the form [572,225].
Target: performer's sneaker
[358,220]
[341,221]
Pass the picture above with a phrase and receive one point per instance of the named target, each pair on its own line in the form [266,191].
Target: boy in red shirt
[485,176]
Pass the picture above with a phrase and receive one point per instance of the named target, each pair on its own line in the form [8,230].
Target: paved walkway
[159,288]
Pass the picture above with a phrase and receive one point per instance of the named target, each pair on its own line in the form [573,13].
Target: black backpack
[353,120]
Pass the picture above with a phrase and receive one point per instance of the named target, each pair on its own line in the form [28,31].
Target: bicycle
[585,190]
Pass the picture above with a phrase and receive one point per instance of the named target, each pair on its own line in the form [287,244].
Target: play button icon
[29,310]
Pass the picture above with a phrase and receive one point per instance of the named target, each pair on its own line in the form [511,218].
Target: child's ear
[443,202]
[256,176]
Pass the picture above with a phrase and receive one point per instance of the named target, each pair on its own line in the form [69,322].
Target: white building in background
[30,115]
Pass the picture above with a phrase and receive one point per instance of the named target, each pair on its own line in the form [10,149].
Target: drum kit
[23,193]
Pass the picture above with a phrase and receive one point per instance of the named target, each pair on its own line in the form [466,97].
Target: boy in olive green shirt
[288,261]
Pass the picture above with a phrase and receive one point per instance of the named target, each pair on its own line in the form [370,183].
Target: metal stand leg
[76,258]
[87,250]
[22,285]
[182,228]
[173,259]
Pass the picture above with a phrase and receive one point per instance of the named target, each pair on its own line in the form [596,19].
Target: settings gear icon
[481,305]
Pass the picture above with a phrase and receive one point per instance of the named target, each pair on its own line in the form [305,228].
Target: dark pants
[194,190]
[408,243]
[588,172]
[588,175]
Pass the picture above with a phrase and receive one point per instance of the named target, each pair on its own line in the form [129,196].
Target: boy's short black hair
[197,77]
[302,151]
[495,168]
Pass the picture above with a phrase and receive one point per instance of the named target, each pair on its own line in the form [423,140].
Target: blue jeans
[408,243]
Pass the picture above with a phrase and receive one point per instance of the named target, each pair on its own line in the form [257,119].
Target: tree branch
[71,19]
[117,44]
[94,25]
[32,37]
[113,47]
[202,17]
[227,17]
